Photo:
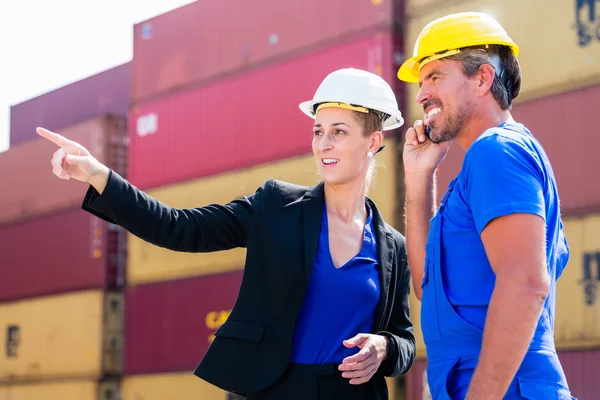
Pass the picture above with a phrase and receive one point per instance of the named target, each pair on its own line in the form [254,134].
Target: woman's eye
[317,133]
[339,132]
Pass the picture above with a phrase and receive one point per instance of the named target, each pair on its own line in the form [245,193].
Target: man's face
[448,98]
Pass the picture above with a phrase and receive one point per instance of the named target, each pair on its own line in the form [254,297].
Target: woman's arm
[400,329]
[210,228]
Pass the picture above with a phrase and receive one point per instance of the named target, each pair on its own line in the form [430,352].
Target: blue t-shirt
[504,171]
[339,302]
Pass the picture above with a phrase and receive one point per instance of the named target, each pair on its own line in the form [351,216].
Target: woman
[322,310]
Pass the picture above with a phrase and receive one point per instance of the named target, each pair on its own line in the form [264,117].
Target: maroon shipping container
[169,325]
[71,250]
[242,121]
[571,139]
[209,39]
[416,382]
[105,93]
[582,370]
[30,187]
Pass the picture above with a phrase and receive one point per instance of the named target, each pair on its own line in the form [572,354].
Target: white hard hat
[356,87]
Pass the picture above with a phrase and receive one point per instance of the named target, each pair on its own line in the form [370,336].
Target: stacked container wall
[169,325]
[577,296]
[242,121]
[107,92]
[67,390]
[147,263]
[66,336]
[570,138]
[191,46]
[33,260]
[42,193]
[559,41]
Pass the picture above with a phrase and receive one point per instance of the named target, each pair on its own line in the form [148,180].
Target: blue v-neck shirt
[339,302]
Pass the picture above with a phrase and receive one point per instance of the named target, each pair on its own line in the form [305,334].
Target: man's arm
[515,246]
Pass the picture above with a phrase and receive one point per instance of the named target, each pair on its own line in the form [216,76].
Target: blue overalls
[453,344]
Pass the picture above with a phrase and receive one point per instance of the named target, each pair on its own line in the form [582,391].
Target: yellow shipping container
[66,336]
[148,263]
[184,386]
[577,322]
[578,304]
[557,52]
[69,390]
[180,386]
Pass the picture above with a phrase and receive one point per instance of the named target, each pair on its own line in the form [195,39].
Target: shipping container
[148,263]
[242,121]
[180,386]
[416,382]
[62,252]
[562,138]
[191,45]
[33,190]
[581,368]
[559,49]
[577,303]
[67,390]
[414,8]
[66,336]
[169,325]
[107,92]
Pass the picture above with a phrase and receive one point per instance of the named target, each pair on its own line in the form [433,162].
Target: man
[485,266]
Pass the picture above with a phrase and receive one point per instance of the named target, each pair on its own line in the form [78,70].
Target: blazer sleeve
[400,329]
[214,227]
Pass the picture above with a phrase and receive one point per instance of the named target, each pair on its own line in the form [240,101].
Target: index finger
[53,137]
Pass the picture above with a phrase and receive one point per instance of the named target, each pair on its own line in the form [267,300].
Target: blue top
[505,171]
[339,302]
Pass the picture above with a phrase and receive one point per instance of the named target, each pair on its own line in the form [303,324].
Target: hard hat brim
[393,122]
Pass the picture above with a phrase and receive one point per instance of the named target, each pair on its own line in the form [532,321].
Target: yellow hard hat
[445,36]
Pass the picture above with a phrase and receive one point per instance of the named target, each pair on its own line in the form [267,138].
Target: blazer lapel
[385,252]
[312,212]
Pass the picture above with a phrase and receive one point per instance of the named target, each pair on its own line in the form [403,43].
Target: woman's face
[340,146]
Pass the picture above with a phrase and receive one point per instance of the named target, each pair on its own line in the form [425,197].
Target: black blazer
[279,227]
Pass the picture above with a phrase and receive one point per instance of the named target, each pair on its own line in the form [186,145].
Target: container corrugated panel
[42,192]
[416,382]
[241,121]
[33,261]
[190,45]
[147,263]
[107,92]
[578,296]
[66,336]
[554,27]
[581,368]
[67,390]
[562,139]
[169,325]
[180,386]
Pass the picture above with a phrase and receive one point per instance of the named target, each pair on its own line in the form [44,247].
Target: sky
[47,44]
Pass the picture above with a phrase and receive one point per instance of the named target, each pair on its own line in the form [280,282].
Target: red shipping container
[581,368]
[242,121]
[416,382]
[107,92]
[169,325]
[563,126]
[32,190]
[72,250]
[210,39]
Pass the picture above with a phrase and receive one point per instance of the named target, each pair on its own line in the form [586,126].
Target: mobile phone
[428,131]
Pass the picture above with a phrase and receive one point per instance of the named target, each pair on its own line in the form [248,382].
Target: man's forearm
[513,314]
[420,207]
